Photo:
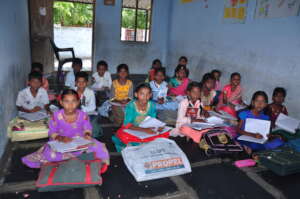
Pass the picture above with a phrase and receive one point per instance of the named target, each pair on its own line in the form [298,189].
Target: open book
[143,135]
[77,144]
[33,116]
[151,122]
[287,123]
[202,125]
[222,115]
[256,126]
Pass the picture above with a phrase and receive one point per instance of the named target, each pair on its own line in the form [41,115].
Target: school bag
[295,144]
[77,172]
[282,161]
[219,141]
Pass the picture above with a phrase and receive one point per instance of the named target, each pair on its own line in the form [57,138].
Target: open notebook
[287,123]
[256,126]
[222,115]
[143,135]
[151,122]
[77,144]
[33,116]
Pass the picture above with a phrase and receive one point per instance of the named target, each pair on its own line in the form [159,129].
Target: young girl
[159,90]
[156,64]
[102,78]
[190,110]
[256,111]
[231,95]
[207,91]
[217,75]
[135,112]
[277,107]
[64,125]
[183,61]
[122,92]
[180,81]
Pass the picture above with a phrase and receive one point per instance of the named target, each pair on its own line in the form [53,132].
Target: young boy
[38,67]
[102,77]
[87,96]
[277,107]
[70,77]
[34,98]
[87,101]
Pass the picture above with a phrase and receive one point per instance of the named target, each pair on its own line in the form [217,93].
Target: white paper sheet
[287,123]
[150,122]
[256,126]
[215,120]
[33,116]
[143,135]
[70,146]
[222,115]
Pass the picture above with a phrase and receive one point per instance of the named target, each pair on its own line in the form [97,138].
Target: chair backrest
[55,49]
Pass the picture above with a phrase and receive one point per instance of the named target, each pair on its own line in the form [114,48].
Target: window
[136,20]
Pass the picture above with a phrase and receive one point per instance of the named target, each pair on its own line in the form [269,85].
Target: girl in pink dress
[64,125]
[231,95]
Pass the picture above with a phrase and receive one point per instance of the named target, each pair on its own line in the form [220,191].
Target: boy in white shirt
[87,96]
[87,99]
[70,77]
[34,98]
[102,78]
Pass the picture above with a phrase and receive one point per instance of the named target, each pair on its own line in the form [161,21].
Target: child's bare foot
[248,150]
[255,157]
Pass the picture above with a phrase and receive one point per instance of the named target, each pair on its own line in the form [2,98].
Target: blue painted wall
[15,59]
[266,52]
[138,56]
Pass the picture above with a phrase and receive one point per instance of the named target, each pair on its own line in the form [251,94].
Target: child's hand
[87,136]
[198,120]
[149,131]
[160,129]
[36,109]
[258,136]
[161,100]
[205,114]
[63,139]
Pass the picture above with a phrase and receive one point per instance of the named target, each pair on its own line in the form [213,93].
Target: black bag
[282,161]
[219,141]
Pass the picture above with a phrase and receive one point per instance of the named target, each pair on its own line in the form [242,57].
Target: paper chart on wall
[276,8]
[235,11]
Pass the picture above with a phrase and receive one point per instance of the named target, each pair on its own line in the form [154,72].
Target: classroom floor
[211,178]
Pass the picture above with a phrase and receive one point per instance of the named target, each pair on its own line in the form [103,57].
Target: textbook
[222,115]
[143,135]
[287,123]
[256,126]
[32,117]
[77,144]
[150,122]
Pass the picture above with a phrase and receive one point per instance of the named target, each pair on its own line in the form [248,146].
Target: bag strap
[88,178]
[51,176]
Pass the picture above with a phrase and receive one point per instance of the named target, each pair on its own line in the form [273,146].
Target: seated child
[136,111]
[277,107]
[34,98]
[87,101]
[256,111]
[64,125]
[231,95]
[207,91]
[218,88]
[122,92]
[180,81]
[183,61]
[190,110]
[86,95]
[159,90]
[38,67]
[156,64]
[102,78]
[70,77]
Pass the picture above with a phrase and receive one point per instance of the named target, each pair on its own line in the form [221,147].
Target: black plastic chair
[61,62]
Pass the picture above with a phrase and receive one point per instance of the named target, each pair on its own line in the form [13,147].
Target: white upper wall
[266,52]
